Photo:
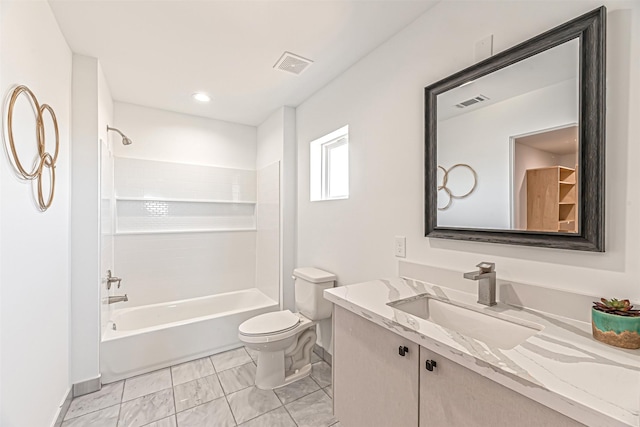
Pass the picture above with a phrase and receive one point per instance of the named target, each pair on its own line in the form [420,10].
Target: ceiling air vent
[292,63]
[472,101]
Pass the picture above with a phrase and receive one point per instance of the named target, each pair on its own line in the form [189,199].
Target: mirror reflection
[507,147]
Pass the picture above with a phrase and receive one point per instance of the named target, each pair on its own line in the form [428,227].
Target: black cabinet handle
[430,365]
[402,351]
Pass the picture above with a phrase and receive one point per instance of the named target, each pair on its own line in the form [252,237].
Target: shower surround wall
[173,241]
[197,238]
[189,240]
[178,168]
[190,208]
[160,267]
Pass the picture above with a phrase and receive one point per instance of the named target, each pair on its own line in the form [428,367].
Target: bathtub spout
[118,298]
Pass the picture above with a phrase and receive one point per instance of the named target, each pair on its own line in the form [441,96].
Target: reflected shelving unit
[551,199]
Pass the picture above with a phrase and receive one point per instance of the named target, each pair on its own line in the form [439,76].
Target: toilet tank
[310,283]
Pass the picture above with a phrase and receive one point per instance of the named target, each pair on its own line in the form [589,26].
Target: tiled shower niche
[164,197]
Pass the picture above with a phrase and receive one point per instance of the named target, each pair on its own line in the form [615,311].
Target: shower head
[125,140]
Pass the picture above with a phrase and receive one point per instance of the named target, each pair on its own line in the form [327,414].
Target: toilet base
[298,374]
[270,372]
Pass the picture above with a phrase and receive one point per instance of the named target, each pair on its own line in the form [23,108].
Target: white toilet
[284,339]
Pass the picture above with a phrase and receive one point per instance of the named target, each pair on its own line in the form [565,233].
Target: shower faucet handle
[112,279]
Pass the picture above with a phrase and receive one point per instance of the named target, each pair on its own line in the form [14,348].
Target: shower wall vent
[292,63]
[472,101]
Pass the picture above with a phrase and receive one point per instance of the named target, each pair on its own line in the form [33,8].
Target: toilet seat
[275,326]
[269,323]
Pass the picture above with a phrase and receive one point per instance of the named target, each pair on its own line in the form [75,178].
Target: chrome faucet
[486,277]
[118,298]
[112,279]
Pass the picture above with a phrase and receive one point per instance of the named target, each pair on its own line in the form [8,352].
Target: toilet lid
[269,323]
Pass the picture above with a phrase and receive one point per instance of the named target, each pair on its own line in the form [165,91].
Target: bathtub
[155,336]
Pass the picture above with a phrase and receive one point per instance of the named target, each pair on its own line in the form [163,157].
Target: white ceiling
[560,141]
[547,68]
[157,53]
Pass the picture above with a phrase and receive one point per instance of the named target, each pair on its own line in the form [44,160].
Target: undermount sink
[473,323]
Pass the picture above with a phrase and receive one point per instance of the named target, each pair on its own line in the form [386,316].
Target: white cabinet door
[452,395]
[373,385]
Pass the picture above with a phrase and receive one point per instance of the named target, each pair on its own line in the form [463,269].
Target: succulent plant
[615,306]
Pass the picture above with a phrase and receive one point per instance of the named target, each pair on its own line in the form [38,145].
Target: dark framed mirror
[514,145]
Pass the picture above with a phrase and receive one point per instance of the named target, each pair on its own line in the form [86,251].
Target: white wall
[268,231]
[381,98]
[92,110]
[479,139]
[34,245]
[165,267]
[270,135]
[174,137]
[277,143]
[106,139]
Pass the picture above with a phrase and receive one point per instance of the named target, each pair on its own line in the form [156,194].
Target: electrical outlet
[401,246]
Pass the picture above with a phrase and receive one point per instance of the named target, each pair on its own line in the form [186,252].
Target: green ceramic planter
[620,331]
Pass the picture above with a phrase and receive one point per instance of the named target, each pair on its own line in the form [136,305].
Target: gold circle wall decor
[45,159]
[448,191]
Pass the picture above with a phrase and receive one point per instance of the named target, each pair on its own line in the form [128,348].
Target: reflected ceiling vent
[472,101]
[292,63]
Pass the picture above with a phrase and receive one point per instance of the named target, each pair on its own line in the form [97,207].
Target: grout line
[173,389]
[214,365]
[298,398]
[175,407]
[314,380]
[290,416]
[272,410]
[161,419]
[233,367]
[225,394]
[230,410]
[121,397]
[281,402]
[257,416]
[92,412]
[325,391]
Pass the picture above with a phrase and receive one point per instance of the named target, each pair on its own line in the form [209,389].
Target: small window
[330,166]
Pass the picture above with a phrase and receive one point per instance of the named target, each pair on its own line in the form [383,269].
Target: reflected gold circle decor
[45,160]
[447,190]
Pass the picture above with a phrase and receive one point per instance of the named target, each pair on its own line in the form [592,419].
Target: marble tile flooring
[213,391]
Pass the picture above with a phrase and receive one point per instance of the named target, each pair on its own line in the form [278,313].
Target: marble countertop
[561,366]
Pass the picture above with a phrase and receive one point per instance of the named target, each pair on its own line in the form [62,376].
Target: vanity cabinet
[452,395]
[373,385]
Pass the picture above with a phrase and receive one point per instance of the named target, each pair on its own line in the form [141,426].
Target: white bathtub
[159,335]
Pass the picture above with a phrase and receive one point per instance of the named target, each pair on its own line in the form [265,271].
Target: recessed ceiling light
[201,97]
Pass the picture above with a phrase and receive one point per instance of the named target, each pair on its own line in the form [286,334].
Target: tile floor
[213,391]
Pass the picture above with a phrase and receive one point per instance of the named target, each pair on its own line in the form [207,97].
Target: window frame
[327,147]
[320,164]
